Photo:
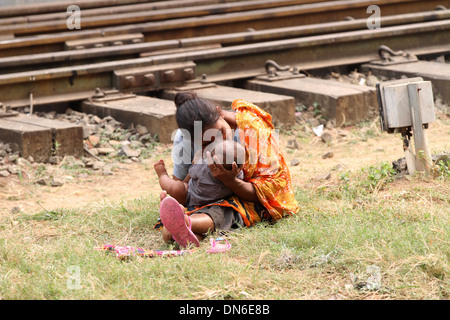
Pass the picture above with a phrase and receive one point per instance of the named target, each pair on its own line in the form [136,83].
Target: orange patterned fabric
[265,167]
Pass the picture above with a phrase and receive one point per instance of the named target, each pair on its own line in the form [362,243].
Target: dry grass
[347,225]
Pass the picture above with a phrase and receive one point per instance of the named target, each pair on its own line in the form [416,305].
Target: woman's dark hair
[191,108]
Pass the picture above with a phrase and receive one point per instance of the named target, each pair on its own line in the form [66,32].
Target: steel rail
[139,8]
[40,8]
[147,16]
[257,19]
[54,59]
[352,47]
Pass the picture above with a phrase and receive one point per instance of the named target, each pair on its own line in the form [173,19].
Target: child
[200,187]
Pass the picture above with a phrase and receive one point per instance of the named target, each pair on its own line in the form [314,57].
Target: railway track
[153,47]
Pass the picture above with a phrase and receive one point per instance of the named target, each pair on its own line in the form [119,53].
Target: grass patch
[324,252]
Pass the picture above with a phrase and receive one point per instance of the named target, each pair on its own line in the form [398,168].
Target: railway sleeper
[281,107]
[41,138]
[346,103]
[402,64]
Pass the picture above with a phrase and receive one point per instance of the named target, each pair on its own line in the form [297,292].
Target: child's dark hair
[191,108]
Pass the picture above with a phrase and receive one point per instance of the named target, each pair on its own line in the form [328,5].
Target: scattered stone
[142,130]
[293,144]
[109,129]
[50,115]
[127,151]
[96,119]
[114,143]
[328,155]
[41,181]
[107,170]
[57,182]
[105,151]
[330,124]
[94,151]
[88,130]
[94,140]
[136,144]
[15,209]
[87,162]
[342,133]
[55,160]
[400,165]
[13,169]
[4,173]
[98,165]
[295,162]
[313,122]
[371,80]
[326,137]
[321,177]
[13,157]
[443,157]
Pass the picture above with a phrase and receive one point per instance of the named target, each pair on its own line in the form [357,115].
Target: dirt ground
[352,148]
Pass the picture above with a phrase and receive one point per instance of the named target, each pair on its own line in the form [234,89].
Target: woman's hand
[244,190]
[228,177]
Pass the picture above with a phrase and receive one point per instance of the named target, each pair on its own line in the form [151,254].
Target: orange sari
[265,167]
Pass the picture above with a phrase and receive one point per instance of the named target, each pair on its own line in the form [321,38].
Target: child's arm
[175,188]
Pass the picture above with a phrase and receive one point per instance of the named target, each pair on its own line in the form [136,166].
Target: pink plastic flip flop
[172,217]
[219,245]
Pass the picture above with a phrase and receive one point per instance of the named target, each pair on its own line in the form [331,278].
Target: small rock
[4,173]
[142,130]
[69,160]
[96,119]
[293,144]
[94,140]
[108,119]
[13,169]
[127,151]
[313,122]
[50,115]
[55,160]
[326,137]
[15,209]
[57,182]
[136,144]
[107,171]
[330,124]
[88,163]
[337,167]
[13,157]
[372,80]
[325,176]
[41,181]
[328,155]
[295,162]
[109,129]
[88,130]
[105,150]
[114,143]
[94,151]
[98,165]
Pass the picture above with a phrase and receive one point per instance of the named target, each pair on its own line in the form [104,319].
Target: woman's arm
[244,190]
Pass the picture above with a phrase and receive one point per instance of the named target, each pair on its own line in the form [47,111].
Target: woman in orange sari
[264,194]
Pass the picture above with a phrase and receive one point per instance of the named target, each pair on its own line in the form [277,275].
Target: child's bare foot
[160,168]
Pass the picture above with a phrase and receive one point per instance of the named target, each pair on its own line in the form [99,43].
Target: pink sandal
[172,217]
[219,245]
